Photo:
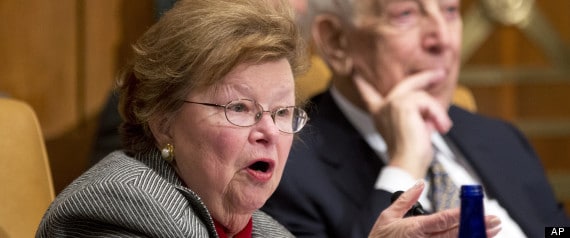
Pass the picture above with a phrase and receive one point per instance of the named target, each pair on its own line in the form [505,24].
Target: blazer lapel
[474,147]
[489,161]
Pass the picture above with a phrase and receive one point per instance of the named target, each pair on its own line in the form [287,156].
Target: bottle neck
[472,222]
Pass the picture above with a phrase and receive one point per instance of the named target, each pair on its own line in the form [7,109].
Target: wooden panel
[554,158]
[105,26]
[544,100]
[556,12]
[492,100]
[62,59]
[536,100]
[508,47]
[38,65]
[111,27]
[530,84]
[102,41]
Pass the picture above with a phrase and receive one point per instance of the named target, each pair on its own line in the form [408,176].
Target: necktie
[443,193]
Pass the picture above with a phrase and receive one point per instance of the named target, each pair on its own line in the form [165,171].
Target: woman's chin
[252,200]
[247,195]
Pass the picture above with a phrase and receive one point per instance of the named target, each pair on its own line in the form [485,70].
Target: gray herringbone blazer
[123,196]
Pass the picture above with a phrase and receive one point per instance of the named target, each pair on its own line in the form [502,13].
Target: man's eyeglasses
[247,112]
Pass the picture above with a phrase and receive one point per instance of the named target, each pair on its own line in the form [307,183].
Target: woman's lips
[261,170]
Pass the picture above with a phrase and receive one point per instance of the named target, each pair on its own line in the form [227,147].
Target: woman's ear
[331,38]
[160,130]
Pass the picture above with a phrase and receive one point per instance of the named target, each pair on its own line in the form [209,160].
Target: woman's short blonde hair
[193,46]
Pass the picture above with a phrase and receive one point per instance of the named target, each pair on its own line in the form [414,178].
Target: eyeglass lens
[245,112]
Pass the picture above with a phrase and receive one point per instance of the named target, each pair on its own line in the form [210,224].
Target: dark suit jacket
[327,189]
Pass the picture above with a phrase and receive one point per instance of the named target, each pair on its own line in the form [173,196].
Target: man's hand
[391,223]
[406,118]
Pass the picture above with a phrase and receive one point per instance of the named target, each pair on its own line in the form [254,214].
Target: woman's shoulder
[116,167]
[123,191]
[120,171]
[265,226]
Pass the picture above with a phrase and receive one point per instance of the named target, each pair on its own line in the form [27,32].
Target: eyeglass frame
[258,115]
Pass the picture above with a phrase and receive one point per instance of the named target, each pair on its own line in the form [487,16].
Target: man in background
[387,121]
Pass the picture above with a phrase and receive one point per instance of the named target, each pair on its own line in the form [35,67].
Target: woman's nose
[266,122]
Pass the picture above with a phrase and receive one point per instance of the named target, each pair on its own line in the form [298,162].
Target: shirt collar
[245,233]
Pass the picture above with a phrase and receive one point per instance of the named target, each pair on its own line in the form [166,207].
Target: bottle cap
[471,191]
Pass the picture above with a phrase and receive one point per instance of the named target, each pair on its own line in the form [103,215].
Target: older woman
[209,116]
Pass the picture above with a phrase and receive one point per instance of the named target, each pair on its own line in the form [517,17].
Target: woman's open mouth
[261,170]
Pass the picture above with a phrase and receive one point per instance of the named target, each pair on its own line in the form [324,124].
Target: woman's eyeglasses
[247,112]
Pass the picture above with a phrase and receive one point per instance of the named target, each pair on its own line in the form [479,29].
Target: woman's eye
[284,112]
[238,107]
[405,14]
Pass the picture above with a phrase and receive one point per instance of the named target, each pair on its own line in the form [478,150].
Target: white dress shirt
[392,179]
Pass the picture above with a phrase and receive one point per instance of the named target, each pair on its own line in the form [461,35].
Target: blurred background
[61,57]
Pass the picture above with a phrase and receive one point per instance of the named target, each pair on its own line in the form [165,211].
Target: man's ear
[331,38]
[160,130]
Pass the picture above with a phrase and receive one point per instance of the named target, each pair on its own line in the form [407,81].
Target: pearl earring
[167,152]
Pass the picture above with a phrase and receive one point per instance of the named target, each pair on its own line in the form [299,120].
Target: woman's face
[216,159]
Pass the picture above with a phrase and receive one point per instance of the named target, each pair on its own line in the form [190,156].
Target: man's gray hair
[342,8]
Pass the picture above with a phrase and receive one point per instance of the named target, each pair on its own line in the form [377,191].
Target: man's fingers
[418,82]
[431,110]
[433,113]
[399,208]
[447,224]
[372,98]
[493,225]
[445,220]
